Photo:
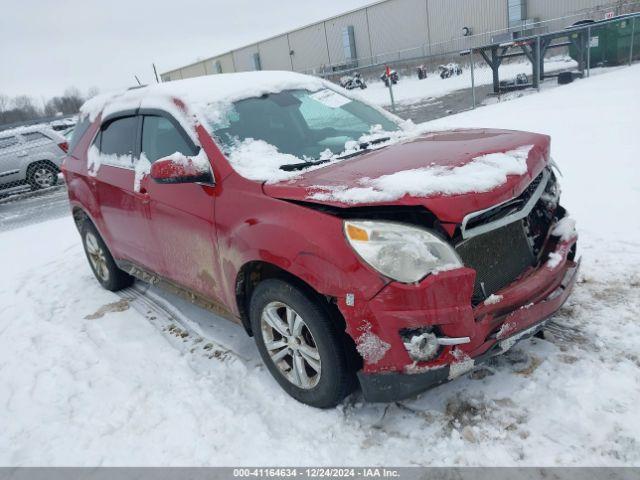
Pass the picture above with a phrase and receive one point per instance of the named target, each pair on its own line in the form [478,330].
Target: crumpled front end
[520,268]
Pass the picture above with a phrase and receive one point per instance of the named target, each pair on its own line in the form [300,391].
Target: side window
[118,137]
[7,142]
[78,132]
[160,138]
[33,137]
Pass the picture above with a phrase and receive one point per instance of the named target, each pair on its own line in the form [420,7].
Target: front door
[182,214]
[125,211]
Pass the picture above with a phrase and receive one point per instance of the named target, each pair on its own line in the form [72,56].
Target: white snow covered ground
[88,377]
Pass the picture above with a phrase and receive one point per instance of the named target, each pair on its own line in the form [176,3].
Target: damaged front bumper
[443,302]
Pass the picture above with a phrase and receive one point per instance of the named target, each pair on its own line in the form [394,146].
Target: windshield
[307,125]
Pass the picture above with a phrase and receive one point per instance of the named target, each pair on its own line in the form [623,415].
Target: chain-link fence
[476,70]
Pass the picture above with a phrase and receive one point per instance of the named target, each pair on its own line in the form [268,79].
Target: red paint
[201,236]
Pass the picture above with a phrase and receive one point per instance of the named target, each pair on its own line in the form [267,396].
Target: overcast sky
[47,46]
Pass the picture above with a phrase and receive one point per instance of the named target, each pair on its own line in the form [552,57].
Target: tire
[311,364]
[42,175]
[100,260]
[564,78]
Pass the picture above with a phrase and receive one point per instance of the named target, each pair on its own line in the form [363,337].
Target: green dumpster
[611,42]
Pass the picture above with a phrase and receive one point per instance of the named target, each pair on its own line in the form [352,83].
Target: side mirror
[179,169]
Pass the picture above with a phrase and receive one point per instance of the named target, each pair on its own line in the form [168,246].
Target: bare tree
[5,101]
[23,107]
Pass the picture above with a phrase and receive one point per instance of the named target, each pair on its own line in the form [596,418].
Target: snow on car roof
[201,91]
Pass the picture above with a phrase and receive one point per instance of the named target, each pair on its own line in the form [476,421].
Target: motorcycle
[353,82]
[392,75]
[449,70]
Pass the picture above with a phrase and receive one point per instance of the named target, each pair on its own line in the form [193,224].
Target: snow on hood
[451,173]
[483,173]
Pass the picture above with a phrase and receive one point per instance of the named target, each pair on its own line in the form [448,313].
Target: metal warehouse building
[393,31]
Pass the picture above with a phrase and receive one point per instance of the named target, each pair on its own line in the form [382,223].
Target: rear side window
[78,132]
[7,142]
[161,138]
[34,137]
[118,137]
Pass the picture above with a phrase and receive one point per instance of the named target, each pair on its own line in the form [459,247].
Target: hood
[448,149]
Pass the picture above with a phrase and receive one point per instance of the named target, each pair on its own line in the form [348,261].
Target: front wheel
[300,344]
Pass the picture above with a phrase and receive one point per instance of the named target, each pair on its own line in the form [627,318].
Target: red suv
[354,247]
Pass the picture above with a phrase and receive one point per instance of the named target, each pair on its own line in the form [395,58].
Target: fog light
[422,347]
[423,344]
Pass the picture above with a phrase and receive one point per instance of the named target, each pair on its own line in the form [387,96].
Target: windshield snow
[259,135]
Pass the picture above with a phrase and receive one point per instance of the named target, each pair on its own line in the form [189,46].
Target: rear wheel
[101,262]
[42,175]
[300,344]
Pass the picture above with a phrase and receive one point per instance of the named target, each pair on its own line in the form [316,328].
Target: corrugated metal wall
[309,46]
[226,63]
[398,29]
[553,9]
[243,58]
[274,53]
[447,18]
[335,31]
[389,31]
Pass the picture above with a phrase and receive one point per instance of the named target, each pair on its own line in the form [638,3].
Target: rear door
[125,213]
[182,215]
[12,153]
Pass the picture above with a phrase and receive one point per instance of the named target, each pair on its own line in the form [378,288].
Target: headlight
[401,252]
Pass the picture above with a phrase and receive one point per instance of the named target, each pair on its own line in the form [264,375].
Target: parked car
[352,250]
[31,155]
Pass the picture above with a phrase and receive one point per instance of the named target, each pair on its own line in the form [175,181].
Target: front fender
[302,241]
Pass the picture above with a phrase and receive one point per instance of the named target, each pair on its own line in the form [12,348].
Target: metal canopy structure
[535,47]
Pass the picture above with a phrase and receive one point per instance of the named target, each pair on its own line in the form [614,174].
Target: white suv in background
[31,155]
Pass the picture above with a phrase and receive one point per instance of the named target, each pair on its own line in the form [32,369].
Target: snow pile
[261,161]
[201,92]
[565,229]
[482,174]
[554,260]
[95,159]
[493,299]
[142,168]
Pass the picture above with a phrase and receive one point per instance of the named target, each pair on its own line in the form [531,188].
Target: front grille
[498,257]
[506,208]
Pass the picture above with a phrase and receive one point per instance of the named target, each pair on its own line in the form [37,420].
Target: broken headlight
[401,252]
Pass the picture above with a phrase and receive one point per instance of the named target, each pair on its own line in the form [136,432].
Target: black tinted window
[160,138]
[7,142]
[118,137]
[33,137]
[78,132]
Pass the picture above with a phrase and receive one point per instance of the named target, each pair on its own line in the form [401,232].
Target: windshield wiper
[292,167]
[364,148]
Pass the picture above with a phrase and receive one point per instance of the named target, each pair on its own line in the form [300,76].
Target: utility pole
[155,72]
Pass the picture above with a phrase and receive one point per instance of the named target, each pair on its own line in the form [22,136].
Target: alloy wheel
[43,177]
[291,345]
[97,256]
